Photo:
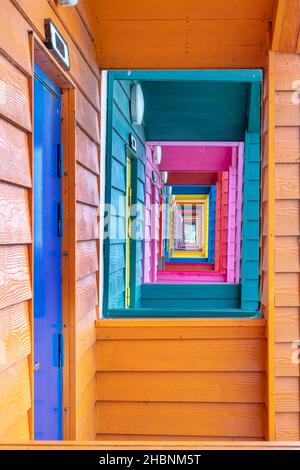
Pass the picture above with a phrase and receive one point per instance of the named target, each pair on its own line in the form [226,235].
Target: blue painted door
[48,346]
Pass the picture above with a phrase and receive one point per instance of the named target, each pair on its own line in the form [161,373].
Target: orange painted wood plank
[86,405]
[287,394]
[85,371]
[160,33]
[285,366]
[86,186]
[178,9]
[287,290]
[15,220]
[87,430]
[287,426]
[177,57]
[14,95]
[287,144]
[15,393]
[209,387]
[179,332]
[183,444]
[180,322]
[18,432]
[287,69]
[77,30]
[287,324]
[81,72]
[86,295]
[287,217]
[86,258]
[175,439]
[85,333]
[86,16]
[290,27]
[287,254]
[14,36]
[87,117]
[278,19]
[14,334]
[287,181]
[188,355]
[287,109]
[87,151]
[193,419]
[86,222]
[14,142]
[15,283]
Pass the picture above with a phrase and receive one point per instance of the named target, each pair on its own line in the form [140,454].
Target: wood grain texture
[287,323]
[14,334]
[287,254]
[188,355]
[290,27]
[287,181]
[15,223]
[80,72]
[287,68]
[85,371]
[287,217]
[86,151]
[86,295]
[287,427]
[14,95]
[287,394]
[85,333]
[14,37]
[87,117]
[86,258]
[177,418]
[15,393]
[14,275]
[18,432]
[86,404]
[285,366]
[287,290]
[86,186]
[287,109]
[209,387]
[86,222]
[287,144]
[77,30]
[183,330]
[14,155]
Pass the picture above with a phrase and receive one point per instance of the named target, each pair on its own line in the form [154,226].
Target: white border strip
[103,126]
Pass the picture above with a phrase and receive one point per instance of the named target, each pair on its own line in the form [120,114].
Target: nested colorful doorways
[48,230]
[208,117]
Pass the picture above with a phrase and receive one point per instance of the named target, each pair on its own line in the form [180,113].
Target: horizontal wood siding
[287,294]
[21,17]
[189,378]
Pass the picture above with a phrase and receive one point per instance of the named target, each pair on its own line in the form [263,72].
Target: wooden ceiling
[182,33]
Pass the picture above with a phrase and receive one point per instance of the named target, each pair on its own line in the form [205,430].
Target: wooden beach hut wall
[125,378]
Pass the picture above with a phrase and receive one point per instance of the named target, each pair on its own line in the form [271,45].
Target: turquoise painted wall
[119,117]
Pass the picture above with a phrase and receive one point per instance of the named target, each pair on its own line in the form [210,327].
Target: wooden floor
[148,445]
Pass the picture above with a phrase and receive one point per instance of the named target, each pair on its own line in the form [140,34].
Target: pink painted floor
[173,277]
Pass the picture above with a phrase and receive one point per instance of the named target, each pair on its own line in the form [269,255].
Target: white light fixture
[68,3]
[164,177]
[137,104]
[157,154]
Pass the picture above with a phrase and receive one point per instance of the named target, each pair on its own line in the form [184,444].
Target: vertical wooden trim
[277,24]
[69,265]
[30,247]
[271,430]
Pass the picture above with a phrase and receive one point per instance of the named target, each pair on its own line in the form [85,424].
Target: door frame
[43,59]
